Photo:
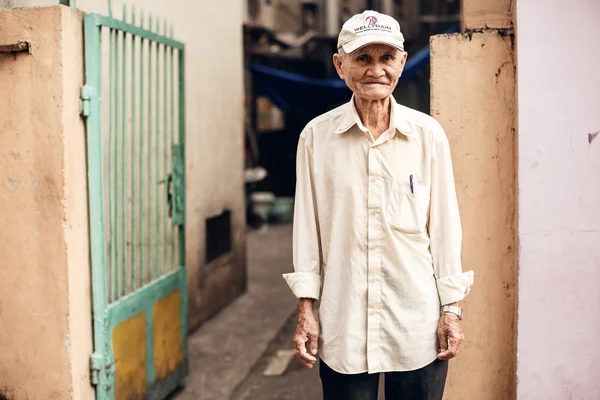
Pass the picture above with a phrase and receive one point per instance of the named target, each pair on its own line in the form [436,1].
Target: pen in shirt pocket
[412,189]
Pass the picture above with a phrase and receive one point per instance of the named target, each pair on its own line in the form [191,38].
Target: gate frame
[108,316]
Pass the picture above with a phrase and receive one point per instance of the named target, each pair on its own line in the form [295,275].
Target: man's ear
[337,62]
[403,61]
[404,57]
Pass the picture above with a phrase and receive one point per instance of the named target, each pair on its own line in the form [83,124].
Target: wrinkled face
[371,72]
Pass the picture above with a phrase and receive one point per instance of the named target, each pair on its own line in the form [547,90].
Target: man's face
[371,72]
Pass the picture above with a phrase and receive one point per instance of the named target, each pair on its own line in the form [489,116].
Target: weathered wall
[473,97]
[45,318]
[559,195]
[487,14]
[76,227]
[473,89]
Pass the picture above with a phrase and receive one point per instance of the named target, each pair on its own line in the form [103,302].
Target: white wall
[558,58]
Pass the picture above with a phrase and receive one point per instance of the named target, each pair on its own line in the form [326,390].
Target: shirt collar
[351,118]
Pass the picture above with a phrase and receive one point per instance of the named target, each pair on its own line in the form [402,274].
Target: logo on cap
[371,20]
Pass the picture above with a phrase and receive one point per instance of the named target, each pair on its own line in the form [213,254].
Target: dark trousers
[426,383]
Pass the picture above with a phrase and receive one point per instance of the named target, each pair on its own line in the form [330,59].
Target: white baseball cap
[368,28]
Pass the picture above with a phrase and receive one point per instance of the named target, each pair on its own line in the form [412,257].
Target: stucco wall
[559,198]
[45,316]
[76,226]
[487,14]
[473,97]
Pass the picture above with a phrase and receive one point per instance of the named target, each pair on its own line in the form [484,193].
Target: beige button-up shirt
[377,238]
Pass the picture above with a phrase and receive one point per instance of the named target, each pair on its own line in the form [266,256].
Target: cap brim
[356,44]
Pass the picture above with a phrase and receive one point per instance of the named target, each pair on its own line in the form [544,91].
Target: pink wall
[558,58]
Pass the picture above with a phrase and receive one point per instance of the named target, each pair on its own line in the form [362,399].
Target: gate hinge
[86,96]
[96,363]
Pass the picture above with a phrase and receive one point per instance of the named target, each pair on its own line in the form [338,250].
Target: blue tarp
[286,89]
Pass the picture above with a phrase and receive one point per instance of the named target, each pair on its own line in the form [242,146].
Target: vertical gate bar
[181,103]
[116,164]
[133,197]
[156,162]
[95,156]
[123,160]
[149,158]
[181,228]
[165,217]
[111,166]
[110,146]
[141,156]
[172,142]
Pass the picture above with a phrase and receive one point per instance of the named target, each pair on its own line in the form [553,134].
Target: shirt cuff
[304,284]
[454,288]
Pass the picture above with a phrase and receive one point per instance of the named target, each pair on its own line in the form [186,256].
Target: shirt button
[375,179]
[375,213]
[372,247]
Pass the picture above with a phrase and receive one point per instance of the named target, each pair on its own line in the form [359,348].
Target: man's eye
[362,57]
[387,57]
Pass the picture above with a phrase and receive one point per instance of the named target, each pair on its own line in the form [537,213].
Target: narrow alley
[229,352]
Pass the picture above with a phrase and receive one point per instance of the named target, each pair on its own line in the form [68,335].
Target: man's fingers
[301,353]
[313,344]
[307,364]
[443,340]
[451,351]
[306,359]
[304,355]
[299,342]
[453,346]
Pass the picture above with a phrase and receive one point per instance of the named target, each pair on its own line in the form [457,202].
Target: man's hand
[307,334]
[450,336]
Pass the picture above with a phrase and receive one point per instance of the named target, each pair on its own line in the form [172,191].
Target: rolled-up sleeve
[305,281]
[445,230]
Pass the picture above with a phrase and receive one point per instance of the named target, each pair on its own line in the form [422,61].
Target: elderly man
[377,233]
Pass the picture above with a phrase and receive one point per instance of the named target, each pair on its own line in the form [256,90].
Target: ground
[297,383]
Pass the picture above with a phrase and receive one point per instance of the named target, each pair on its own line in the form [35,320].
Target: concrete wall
[45,312]
[559,198]
[76,228]
[473,95]
[472,80]
[487,14]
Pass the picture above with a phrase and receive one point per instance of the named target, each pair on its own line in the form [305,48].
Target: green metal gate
[133,102]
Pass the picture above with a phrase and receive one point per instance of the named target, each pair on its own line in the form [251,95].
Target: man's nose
[376,71]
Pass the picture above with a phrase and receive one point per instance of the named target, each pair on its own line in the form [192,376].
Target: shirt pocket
[407,210]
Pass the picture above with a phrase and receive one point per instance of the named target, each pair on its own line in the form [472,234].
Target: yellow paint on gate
[129,345]
[168,346]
